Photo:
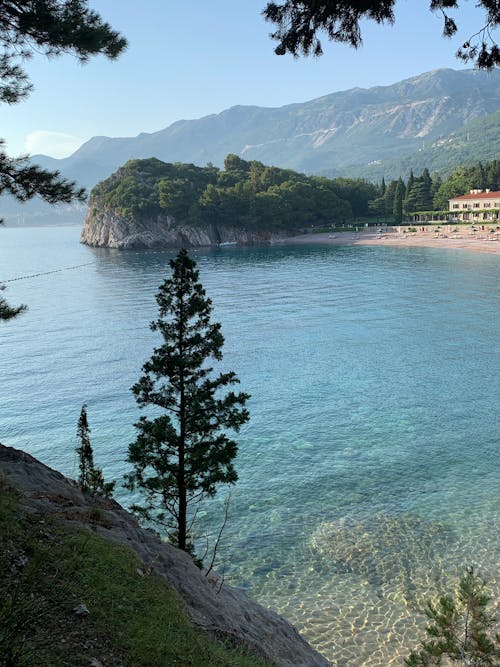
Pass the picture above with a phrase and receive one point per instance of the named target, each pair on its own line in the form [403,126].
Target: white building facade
[477,206]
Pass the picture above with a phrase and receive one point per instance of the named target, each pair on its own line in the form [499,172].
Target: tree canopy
[246,194]
[299,22]
[50,27]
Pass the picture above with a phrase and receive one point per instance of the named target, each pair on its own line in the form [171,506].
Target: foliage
[183,454]
[248,195]
[8,312]
[91,479]
[397,209]
[463,179]
[47,570]
[51,27]
[253,196]
[299,22]
[426,194]
[460,629]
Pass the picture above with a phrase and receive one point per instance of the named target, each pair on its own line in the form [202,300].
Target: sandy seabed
[478,242]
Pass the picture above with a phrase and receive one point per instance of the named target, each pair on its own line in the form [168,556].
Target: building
[477,206]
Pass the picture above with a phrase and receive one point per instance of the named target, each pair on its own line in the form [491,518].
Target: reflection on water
[369,470]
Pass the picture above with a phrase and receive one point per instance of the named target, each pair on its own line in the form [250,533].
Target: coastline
[481,241]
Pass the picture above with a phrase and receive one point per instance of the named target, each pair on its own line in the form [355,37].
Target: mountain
[477,140]
[339,133]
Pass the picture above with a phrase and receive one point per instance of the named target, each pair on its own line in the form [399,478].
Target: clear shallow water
[369,471]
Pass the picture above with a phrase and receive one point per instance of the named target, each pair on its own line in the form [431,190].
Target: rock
[227,613]
[81,610]
[104,227]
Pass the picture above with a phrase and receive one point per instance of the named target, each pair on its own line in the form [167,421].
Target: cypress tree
[382,187]
[397,209]
[183,454]
[84,451]
[91,479]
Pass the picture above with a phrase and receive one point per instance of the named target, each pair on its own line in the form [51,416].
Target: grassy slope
[135,620]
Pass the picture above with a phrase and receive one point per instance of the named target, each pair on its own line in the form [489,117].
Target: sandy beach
[481,241]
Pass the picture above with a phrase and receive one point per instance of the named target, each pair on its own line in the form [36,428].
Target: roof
[480,195]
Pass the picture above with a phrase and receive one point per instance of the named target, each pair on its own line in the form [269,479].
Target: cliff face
[105,228]
[225,612]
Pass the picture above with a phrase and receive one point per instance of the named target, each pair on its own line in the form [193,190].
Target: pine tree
[460,630]
[299,22]
[9,312]
[91,479]
[183,454]
[51,27]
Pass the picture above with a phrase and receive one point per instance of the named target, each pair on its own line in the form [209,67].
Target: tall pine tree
[183,454]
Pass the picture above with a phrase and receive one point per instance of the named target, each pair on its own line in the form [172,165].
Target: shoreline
[479,242]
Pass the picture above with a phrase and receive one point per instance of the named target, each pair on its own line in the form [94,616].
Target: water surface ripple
[369,471]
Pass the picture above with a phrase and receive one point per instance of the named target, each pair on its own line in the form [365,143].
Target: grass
[134,621]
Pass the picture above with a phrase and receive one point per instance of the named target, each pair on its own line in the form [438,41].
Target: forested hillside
[250,195]
[253,196]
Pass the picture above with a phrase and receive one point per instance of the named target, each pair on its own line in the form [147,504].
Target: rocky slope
[106,228]
[226,612]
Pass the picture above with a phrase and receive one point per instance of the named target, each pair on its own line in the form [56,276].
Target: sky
[190,59]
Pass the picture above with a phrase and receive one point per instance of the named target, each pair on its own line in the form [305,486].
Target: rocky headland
[149,203]
[108,228]
[224,612]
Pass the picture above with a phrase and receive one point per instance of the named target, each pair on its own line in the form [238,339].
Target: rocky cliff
[104,227]
[225,612]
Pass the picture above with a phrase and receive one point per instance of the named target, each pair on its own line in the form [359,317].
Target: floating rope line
[45,273]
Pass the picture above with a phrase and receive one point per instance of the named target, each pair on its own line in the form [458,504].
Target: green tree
[458,183]
[8,312]
[390,191]
[298,23]
[357,192]
[377,207]
[234,163]
[51,27]
[460,629]
[91,479]
[397,209]
[183,454]
[382,187]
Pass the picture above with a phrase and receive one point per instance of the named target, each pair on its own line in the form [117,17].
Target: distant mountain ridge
[342,133]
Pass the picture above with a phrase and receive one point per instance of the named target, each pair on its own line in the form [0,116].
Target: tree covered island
[149,202]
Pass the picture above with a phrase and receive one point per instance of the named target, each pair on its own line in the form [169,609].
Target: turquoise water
[369,470]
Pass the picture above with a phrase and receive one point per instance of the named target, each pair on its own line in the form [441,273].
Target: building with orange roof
[476,206]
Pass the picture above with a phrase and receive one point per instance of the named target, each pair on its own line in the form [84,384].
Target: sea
[369,475]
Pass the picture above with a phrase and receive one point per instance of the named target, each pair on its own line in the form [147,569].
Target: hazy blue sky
[190,59]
